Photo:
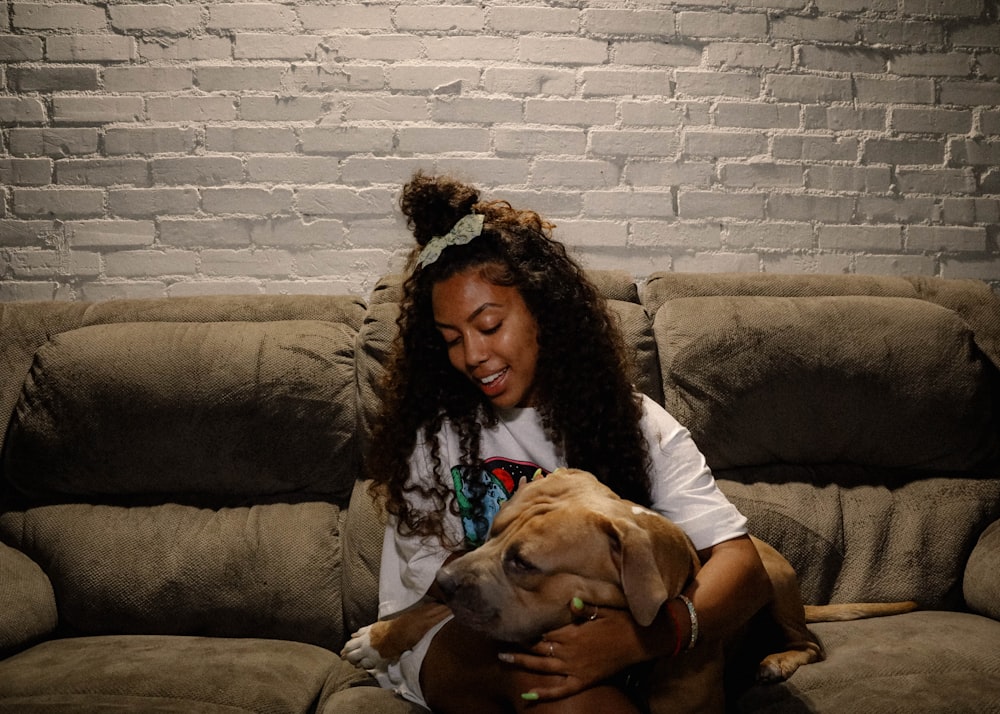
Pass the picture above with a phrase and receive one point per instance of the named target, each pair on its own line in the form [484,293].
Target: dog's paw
[780,666]
[771,672]
[360,652]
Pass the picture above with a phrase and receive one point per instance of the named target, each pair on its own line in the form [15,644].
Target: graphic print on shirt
[481,492]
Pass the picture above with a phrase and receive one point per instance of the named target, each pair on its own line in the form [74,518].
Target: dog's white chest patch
[639,510]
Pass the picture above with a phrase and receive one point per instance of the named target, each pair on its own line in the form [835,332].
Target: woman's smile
[490,335]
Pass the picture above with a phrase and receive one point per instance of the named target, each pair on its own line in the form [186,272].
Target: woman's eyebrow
[475,313]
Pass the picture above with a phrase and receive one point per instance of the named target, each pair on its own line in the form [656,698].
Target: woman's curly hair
[582,390]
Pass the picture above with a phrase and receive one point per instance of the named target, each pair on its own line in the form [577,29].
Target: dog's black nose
[447,582]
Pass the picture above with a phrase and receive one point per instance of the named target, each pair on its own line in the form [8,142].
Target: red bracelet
[677,631]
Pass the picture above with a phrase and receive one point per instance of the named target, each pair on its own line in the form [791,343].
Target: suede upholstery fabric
[767,382]
[232,398]
[24,327]
[882,540]
[981,584]
[179,472]
[183,528]
[374,347]
[26,599]
[910,664]
[364,699]
[271,570]
[760,380]
[854,421]
[173,674]
[971,300]
[362,526]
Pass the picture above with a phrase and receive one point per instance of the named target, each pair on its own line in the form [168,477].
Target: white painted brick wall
[151,149]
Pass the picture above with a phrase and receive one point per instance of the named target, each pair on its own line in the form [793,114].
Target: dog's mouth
[466,601]
[476,616]
[473,612]
[500,625]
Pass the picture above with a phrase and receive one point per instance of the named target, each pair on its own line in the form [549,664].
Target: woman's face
[491,336]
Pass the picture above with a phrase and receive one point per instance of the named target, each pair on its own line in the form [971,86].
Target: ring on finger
[552,652]
[594,616]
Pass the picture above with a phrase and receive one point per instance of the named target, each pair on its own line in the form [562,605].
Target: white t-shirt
[683,490]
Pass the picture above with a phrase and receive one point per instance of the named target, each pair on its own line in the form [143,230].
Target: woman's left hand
[597,645]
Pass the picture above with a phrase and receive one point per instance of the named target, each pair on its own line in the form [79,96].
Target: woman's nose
[476,350]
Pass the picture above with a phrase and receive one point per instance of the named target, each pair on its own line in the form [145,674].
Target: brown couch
[181,529]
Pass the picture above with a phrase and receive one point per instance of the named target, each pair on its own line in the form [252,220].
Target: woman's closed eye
[453,339]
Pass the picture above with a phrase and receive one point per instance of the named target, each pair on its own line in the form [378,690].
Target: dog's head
[562,537]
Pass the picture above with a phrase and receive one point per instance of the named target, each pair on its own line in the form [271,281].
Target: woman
[508,362]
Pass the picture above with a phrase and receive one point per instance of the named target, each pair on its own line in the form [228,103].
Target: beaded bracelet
[694,621]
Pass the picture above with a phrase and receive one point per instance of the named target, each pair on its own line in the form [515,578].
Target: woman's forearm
[731,586]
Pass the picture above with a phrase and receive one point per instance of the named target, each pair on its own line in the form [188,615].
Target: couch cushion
[892,382]
[169,674]
[973,300]
[23,327]
[981,583]
[640,346]
[366,700]
[27,603]
[927,662]
[270,570]
[375,345]
[348,309]
[363,528]
[225,410]
[867,534]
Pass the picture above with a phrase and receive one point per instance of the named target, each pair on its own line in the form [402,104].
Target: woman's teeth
[492,378]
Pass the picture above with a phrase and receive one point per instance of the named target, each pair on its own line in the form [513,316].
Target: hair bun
[433,204]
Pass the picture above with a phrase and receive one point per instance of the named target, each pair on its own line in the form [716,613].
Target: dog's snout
[460,588]
[447,582]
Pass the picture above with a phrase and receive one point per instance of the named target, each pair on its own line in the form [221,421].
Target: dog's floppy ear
[656,559]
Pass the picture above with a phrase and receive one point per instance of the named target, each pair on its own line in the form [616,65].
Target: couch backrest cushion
[891,382]
[972,300]
[231,411]
[867,534]
[375,345]
[362,528]
[271,570]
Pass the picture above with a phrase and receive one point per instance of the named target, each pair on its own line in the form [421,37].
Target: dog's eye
[515,562]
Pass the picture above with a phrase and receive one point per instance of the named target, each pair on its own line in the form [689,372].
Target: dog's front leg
[377,645]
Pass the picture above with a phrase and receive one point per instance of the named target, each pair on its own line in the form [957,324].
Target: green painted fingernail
[577,603]
[530,696]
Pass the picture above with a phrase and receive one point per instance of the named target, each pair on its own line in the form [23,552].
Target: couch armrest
[27,602]
[981,584]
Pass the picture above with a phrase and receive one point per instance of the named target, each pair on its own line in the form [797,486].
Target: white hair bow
[467,228]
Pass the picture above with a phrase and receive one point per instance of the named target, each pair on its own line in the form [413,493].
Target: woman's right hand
[599,644]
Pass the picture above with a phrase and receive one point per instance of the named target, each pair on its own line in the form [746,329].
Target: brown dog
[569,536]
